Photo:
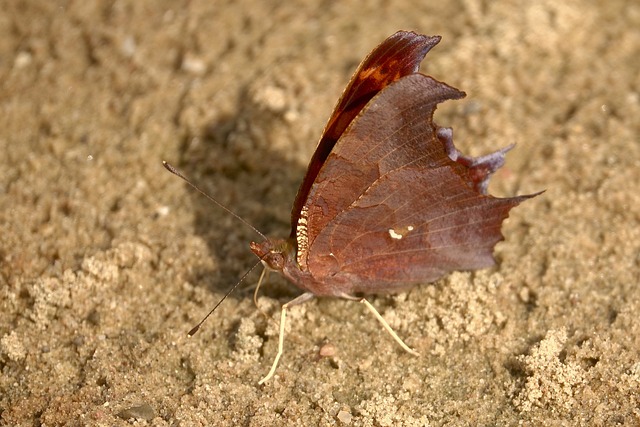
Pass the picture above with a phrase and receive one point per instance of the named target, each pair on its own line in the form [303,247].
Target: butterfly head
[275,254]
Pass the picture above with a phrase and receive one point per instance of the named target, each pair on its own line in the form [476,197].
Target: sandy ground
[107,260]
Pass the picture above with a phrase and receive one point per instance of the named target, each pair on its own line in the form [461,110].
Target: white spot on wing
[399,233]
[394,235]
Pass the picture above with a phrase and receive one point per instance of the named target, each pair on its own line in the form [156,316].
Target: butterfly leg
[283,314]
[263,276]
[388,328]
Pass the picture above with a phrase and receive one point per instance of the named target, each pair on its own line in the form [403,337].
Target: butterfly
[387,201]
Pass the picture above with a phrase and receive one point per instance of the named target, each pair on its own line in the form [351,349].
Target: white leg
[255,292]
[263,276]
[283,314]
[388,328]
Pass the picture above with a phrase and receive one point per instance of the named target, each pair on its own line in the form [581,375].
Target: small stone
[344,417]
[328,350]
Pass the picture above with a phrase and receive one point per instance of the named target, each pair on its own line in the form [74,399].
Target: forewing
[398,56]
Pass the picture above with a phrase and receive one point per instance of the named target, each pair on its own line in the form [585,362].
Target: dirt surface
[107,260]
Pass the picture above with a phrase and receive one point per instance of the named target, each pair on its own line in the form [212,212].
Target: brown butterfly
[388,202]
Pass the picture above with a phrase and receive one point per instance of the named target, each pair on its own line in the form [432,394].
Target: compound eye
[278,260]
[275,261]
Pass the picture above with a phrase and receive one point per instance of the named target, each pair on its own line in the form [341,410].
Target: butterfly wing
[390,208]
[398,56]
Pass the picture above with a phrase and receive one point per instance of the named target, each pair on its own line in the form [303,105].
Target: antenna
[195,329]
[175,171]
